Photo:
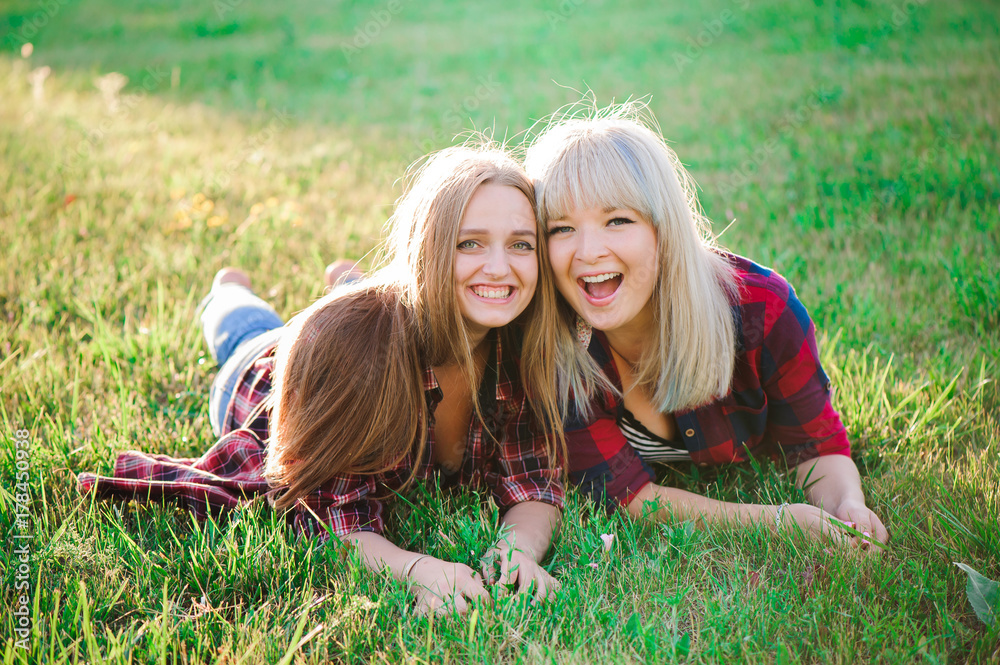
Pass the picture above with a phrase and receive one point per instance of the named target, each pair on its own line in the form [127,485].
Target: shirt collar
[504,372]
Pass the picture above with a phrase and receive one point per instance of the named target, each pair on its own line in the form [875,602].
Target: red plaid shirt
[515,470]
[778,403]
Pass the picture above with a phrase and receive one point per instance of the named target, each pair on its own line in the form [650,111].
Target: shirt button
[689,433]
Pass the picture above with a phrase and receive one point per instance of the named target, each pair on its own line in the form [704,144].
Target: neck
[630,341]
[480,352]
[477,341]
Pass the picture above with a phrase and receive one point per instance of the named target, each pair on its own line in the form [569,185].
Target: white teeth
[498,293]
[596,279]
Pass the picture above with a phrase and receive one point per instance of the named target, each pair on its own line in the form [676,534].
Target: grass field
[850,145]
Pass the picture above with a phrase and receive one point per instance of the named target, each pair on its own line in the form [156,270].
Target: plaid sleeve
[525,471]
[225,477]
[801,418]
[343,505]
[604,465]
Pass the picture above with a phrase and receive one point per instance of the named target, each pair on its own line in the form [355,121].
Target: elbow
[647,502]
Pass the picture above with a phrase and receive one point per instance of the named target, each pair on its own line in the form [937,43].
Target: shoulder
[766,303]
[757,283]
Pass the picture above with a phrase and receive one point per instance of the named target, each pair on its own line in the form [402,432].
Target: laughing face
[605,265]
[496,266]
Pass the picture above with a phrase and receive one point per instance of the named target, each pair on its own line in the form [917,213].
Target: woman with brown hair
[423,367]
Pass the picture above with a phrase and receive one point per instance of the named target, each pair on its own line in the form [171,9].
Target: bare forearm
[533,524]
[830,481]
[379,554]
[681,505]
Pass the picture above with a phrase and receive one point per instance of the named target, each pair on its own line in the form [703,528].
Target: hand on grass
[506,566]
[859,517]
[814,522]
[818,523]
[442,586]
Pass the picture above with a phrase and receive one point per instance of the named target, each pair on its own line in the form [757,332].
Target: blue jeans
[237,326]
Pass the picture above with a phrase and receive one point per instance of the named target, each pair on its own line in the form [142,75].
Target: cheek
[559,259]
[643,259]
[463,270]
[527,270]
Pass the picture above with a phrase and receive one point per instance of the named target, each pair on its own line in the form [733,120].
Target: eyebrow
[607,211]
[483,232]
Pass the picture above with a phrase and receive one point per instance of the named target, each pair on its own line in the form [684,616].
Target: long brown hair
[348,381]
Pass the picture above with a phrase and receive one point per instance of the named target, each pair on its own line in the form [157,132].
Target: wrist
[409,572]
[749,514]
[847,506]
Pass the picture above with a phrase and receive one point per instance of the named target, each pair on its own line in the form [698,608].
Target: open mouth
[493,292]
[600,286]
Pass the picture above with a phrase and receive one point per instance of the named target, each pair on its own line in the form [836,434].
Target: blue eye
[559,229]
[620,221]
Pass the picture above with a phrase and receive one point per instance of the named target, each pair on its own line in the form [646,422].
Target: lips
[601,285]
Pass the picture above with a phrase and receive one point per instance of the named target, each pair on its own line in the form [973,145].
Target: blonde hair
[610,158]
[348,391]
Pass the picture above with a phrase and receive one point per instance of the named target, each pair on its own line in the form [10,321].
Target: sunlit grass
[880,205]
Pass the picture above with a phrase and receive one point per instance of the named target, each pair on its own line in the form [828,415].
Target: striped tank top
[651,448]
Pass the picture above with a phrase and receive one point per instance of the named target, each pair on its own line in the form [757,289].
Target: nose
[591,246]
[497,265]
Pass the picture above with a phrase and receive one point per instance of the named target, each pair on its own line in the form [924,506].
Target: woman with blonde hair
[713,356]
[424,367]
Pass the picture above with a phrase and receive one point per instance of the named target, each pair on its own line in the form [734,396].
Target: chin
[491,321]
[602,321]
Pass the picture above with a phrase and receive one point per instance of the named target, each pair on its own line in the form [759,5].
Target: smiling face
[496,266]
[605,265]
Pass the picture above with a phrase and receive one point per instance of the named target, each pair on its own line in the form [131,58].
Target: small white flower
[37,79]
[110,86]
[609,541]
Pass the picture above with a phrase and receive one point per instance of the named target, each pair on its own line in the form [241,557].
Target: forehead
[595,172]
[495,206]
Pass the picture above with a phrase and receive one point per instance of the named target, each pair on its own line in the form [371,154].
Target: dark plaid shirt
[515,470]
[778,403]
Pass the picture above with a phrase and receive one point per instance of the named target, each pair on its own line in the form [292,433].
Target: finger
[475,589]
[491,564]
[505,574]
[552,586]
[428,602]
[542,588]
[867,530]
[457,604]
[839,537]
[881,533]
[501,587]
[526,583]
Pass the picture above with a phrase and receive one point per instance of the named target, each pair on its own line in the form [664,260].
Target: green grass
[854,144]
